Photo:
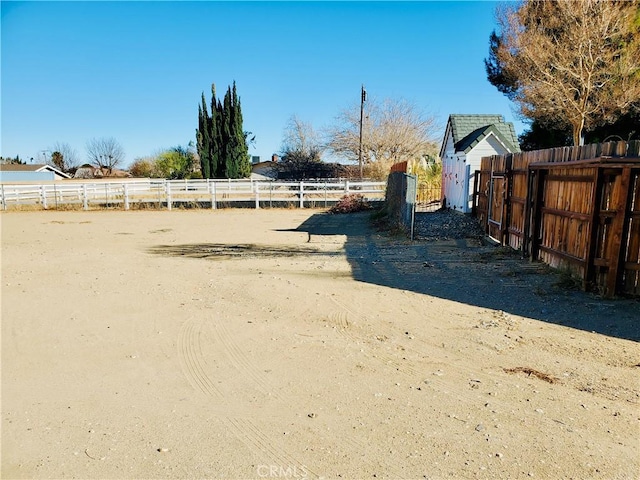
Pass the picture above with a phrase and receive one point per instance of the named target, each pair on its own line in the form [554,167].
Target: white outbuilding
[467,139]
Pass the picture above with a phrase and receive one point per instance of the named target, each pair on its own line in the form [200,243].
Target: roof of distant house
[31,167]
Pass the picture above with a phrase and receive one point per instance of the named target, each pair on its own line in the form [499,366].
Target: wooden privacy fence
[573,207]
[165,193]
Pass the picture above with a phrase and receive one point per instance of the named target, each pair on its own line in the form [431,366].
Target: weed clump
[353,202]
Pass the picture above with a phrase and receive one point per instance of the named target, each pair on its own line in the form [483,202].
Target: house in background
[89,172]
[467,139]
[33,172]
[264,170]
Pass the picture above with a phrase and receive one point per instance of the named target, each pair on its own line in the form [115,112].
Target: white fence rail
[170,193]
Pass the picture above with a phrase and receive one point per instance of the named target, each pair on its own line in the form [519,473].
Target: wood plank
[526,242]
[536,213]
[614,162]
[620,197]
[565,214]
[506,208]
[572,178]
[630,283]
[563,255]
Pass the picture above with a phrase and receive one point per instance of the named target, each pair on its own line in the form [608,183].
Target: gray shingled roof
[468,130]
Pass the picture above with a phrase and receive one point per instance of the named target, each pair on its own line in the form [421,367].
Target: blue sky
[135,71]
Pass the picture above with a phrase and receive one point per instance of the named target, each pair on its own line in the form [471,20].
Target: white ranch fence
[170,193]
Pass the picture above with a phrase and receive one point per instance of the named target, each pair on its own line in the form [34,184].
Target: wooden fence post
[4,200]
[168,190]
[620,197]
[325,194]
[301,194]
[85,198]
[212,190]
[528,203]
[594,227]
[257,190]
[126,196]
[43,196]
[474,204]
[536,212]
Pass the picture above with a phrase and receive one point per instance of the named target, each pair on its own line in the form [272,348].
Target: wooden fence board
[631,241]
[577,207]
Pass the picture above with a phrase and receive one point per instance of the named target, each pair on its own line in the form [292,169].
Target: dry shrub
[353,202]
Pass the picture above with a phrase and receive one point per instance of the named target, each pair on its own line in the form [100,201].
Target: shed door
[456,181]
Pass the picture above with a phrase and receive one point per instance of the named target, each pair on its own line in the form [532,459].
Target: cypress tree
[203,142]
[221,141]
[214,157]
[241,153]
[229,137]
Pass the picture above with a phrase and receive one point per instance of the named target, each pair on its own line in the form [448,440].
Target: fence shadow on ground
[473,273]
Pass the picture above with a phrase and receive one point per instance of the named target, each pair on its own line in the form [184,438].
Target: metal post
[413,211]
[363,97]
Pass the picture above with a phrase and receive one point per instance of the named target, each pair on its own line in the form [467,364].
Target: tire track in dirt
[340,320]
[252,436]
[257,441]
[240,362]
[192,359]
[241,426]
[391,469]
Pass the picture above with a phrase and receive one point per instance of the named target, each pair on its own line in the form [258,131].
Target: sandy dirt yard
[296,344]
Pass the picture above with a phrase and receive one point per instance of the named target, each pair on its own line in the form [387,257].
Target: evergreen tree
[214,129]
[221,141]
[227,136]
[242,160]
[203,142]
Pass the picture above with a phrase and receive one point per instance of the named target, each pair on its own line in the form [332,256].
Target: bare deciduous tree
[105,153]
[575,62]
[301,138]
[301,152]
[67,158]
[393,131]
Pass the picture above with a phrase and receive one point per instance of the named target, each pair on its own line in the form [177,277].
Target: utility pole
[363,98]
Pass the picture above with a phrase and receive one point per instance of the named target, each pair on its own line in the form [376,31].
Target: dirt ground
[296,344]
